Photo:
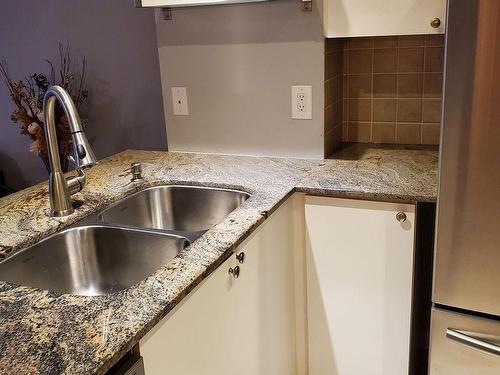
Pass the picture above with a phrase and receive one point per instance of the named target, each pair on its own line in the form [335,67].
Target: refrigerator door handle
[486,343]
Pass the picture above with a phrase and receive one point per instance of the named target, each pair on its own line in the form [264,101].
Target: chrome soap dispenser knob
[136,170]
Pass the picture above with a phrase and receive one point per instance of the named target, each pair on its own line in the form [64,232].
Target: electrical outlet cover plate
[179,101]
[302,102]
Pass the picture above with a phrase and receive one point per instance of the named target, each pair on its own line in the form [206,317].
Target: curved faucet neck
[57,92]
[60,187]
[49,112]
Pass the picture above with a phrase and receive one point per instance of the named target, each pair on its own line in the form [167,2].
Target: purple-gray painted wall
[125,107]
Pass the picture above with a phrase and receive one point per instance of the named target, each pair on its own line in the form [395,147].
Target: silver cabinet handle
[435,23]
[241,258]
[486,343]
[234,271]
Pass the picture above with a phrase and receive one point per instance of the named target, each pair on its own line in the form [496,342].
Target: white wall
[238,63]
[125,106]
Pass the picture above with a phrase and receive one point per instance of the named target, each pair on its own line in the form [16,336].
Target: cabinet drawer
[451,356]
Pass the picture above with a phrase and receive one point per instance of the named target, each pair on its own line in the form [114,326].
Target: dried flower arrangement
[28,96]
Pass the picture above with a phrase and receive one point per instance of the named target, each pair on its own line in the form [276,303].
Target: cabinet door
[350,18]
[359,284]
[242,326]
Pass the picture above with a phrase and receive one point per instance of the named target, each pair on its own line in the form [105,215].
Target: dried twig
[80,90]
[28,95]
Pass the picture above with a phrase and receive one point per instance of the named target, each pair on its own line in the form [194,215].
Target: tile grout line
[372,101]
[422,97]
[345,107]
[389,73]
[341,74]
[345,89]
[397,96]
[348,90]
[399,47]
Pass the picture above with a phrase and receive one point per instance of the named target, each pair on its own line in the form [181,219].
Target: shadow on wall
[238,63]
[264,22]
[9,167]
[21,168]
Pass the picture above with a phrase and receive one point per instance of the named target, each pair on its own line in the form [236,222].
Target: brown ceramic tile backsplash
[334,94]
[389,90]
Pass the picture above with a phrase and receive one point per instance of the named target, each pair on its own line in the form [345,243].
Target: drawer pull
[485,343]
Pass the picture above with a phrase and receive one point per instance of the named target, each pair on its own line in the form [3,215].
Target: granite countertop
[48,333]
[362,171]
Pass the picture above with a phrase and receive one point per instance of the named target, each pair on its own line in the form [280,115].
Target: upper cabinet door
[352,18]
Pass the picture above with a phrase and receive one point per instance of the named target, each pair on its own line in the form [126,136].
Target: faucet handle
[72,160]
[77,182]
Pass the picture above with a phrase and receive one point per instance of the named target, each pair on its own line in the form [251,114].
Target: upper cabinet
[185,3]
[353,18]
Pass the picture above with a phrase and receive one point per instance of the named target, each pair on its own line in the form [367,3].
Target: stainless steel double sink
[124,243]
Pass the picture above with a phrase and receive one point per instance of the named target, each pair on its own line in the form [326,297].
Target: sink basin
[92,259]
[175,208]
[128,242]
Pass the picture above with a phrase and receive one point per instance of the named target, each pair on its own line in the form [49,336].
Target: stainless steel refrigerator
[465,327]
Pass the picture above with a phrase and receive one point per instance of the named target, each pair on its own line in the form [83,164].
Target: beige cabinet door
[228,326]
[359,286]
[352,18]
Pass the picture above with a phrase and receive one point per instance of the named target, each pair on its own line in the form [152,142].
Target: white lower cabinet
[325,289]
[359,286]
[243,326]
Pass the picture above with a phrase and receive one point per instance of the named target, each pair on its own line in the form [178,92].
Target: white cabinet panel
[350,18]
[359,285]
[243,326]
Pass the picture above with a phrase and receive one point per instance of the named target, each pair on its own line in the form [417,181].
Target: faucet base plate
[54,213]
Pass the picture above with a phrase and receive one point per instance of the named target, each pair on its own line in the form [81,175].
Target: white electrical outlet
[302,102]
[179,101]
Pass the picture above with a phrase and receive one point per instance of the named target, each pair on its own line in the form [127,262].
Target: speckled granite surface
[46,333]
[365,172]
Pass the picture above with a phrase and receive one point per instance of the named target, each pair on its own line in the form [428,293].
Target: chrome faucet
[60,187]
